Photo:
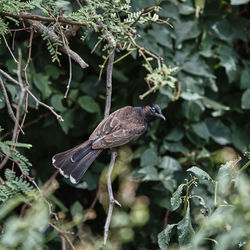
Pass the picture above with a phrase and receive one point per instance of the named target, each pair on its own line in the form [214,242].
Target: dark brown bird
[120,127]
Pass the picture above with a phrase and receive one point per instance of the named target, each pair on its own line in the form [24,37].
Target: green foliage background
[207,130]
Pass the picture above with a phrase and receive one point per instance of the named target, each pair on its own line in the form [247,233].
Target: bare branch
[10,78]
[53,37]
[31,16]
[63,235]
[17,128]
[109,83]
[10,111]
[9,49]
[112,200]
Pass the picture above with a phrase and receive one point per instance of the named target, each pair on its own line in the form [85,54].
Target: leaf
[201,130]
[245,99]
[185,229]
[18,144]
[241,139]
[209,103]
[223,30]
[228,60]
[176,198]
[176,134]
[149,158]
[89,104]
[186,9]
[170,164]
[200,173]
[218,131]
[245,79]
[68,117]
[56,102]
[190,96]
[164,237]
[52,71]
[238,2]
[186,30]
[76,209]
[176,147]
[149,173]
[42,83]
[192,110]
[197,66]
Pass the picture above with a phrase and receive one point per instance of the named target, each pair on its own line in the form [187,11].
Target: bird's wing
[119,137]
[112,123]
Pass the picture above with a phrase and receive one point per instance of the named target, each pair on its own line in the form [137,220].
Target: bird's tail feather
[80,169]
[77,160]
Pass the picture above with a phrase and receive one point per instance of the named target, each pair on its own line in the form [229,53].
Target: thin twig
[9,49]
[112,200]
[18,109]
[54,38]
[63,234]
[31,16]
[10,111]
[10,78]
[109,82]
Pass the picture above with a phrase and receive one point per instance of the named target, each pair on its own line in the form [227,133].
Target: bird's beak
[161,116]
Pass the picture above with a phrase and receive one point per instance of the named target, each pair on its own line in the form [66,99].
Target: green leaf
[176,198]
[186,30]
[200,173]
[238,2]
[170,164]
[56,102]
[197,66]
[176,147]
[164,236]
[68,123]
[201,130]
[241,139]
[211,104]
[42,83]
[185,229]
[245,79]
[175,134]
[189,96]
[18,144]
[192,110]
[218,131]
[186,9]
[245,99]
[223,30]
[52,71]
[76,209]
[149,173]
[89,104]
[149,158]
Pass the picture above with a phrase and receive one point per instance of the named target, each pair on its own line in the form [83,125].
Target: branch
[53,37]
[10,111]
[112,200]
[109,83]
[30,16]
[10,78]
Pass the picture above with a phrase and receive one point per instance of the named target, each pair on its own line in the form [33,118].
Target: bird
[119,128]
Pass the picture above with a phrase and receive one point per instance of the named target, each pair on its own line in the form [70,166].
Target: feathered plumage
[120,127]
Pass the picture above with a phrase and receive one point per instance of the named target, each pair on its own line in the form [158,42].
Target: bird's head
[153,111]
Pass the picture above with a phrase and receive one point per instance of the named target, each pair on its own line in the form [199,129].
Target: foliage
[181,185]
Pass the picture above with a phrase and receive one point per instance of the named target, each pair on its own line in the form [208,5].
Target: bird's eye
[153,109]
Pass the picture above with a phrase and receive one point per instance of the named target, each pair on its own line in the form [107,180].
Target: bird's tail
[74,162]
